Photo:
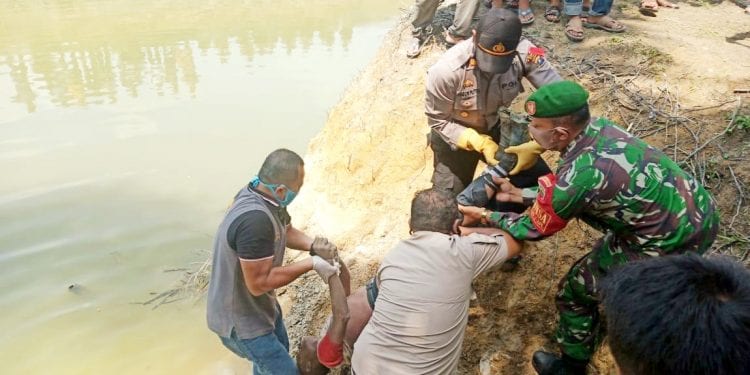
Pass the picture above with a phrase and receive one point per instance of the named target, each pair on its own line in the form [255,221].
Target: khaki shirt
[419,320]
[457,98]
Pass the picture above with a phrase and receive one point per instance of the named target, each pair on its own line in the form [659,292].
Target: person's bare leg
[553,11]
[524,12]
[667,4]
[574,29]
[585,11]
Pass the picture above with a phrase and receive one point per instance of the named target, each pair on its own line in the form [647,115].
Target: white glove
[324,269]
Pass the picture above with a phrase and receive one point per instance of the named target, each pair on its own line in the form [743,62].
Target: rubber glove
[470,140]
[323,248]
[324,269]
[527,154]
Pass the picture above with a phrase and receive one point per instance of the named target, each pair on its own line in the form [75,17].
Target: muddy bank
[669,79]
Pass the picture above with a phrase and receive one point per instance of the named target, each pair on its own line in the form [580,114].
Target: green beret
[557,99]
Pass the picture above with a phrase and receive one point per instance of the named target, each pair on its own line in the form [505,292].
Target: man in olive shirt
[248,265]
[465,90]
[419,319]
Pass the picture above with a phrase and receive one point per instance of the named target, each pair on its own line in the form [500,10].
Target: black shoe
[511,264]
[549,364]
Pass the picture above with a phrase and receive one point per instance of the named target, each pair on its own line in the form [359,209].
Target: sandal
[552,13]
[667,4]
[574,32]
[649,7]
[526,16]
[606,23]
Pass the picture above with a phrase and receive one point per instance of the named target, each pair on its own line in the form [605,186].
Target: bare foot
[574,29]
[667,4]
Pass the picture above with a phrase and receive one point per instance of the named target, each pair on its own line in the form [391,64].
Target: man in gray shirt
[419,319]
[248,265]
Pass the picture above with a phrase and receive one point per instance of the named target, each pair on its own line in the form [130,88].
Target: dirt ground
[668,79]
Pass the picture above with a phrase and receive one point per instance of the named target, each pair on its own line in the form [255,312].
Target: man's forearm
[297,239]
[517,225]
[281,276]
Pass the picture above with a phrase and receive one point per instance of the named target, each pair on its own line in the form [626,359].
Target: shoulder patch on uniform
[531,108]
[535,55]
[542,213]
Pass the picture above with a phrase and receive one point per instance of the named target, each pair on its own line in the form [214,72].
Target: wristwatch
[483,218]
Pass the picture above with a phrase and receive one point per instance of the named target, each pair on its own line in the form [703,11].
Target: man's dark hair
[281,167]
[577,119]
[433,210]
[679,314]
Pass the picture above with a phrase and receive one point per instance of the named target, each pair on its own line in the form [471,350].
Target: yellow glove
[470,140]
[527,154]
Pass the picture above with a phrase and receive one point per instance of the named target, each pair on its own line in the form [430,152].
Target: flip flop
[649,8]
[552,11]
[611,29]
[667,4]
[528,14]
[572,34]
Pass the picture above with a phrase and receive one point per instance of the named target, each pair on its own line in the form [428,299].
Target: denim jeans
[269,353]
[598,8]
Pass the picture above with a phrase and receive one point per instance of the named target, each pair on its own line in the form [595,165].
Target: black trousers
[454,170]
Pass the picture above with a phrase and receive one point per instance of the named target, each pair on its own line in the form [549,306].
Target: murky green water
[125,128]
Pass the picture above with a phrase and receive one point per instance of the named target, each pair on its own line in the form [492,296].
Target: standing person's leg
[280,330]
[585,10]
[574,27]
[277,359]
[453,170]
[598,17]
[578,318]
[578,331]
[461,27]
[421,25]
[268,355]
[553,11]
[525,14]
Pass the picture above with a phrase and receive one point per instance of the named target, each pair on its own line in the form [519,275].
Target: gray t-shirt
[419,320]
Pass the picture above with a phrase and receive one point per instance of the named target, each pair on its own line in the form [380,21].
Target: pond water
[125,129]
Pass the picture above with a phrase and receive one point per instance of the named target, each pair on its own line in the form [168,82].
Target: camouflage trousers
[579,330]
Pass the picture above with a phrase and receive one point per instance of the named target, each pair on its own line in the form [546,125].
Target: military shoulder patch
[535,55]
[531,108]
[542,213]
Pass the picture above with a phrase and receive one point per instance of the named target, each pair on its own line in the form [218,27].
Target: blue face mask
[290,194]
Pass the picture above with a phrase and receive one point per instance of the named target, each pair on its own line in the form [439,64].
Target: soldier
[468,86]
[644,203]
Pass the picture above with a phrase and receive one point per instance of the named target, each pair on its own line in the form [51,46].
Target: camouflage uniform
[644,203]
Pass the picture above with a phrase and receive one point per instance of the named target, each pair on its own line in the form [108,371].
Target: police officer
[643,202]
[465,90]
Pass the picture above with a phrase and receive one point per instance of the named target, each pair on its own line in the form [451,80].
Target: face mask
[290,194]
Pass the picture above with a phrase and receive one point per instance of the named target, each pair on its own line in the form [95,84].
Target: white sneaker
[414,48]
